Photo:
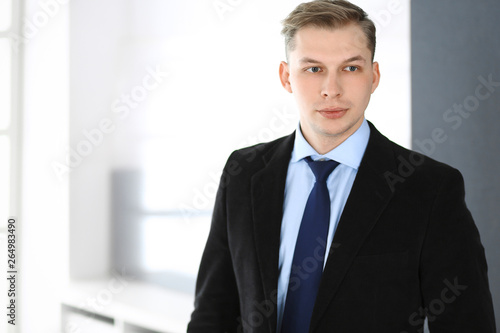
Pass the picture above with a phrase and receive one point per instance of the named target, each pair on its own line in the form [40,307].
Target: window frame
[13,131]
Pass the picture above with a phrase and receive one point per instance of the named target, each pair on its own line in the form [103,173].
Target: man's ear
[285,76]
[376,76]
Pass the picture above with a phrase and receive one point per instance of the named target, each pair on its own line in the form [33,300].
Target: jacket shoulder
[256,155]
[401,165]
[417,167]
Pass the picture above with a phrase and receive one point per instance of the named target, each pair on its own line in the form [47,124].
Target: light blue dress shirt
[299,183]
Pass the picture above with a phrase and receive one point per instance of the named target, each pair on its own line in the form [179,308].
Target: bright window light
[5,82]
[4,180]
[5,14]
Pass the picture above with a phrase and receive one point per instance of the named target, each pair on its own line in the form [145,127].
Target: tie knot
[321,169]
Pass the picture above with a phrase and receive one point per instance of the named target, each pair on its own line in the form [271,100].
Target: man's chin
[332,131]
[338,130]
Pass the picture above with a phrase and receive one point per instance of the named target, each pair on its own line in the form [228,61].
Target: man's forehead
[348,35]
[341,44]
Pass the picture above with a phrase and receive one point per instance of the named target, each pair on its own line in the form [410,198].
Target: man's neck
[326,143]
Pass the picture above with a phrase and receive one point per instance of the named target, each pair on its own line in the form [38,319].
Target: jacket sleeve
[453,269]
[216,300]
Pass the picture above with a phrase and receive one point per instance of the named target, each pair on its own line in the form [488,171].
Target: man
[335,228]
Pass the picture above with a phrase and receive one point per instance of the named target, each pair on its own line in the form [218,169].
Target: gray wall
[455,48]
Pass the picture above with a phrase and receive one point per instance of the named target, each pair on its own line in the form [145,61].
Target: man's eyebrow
[355,58]
[307,60]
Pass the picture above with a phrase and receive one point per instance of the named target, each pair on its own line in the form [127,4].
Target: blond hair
[327,14]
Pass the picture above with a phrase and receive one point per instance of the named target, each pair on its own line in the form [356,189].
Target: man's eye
[313,69]
[351,68]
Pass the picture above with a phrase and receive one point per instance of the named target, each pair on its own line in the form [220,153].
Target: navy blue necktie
[308,258]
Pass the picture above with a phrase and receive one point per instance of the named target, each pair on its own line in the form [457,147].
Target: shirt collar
[350,152]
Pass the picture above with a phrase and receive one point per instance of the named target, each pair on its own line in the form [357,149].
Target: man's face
[332,77]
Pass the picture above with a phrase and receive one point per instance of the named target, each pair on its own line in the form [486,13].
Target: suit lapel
[368,198]
[268,187]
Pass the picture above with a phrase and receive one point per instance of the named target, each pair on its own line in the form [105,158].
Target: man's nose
[332,86]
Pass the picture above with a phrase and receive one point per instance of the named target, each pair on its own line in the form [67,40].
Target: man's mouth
[333,113]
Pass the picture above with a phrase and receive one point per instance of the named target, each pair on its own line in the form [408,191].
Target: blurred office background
[117,116]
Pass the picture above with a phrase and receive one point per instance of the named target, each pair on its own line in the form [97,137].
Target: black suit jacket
[405,247]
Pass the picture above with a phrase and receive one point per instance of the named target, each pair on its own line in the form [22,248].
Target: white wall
[43,219]
[97,32]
